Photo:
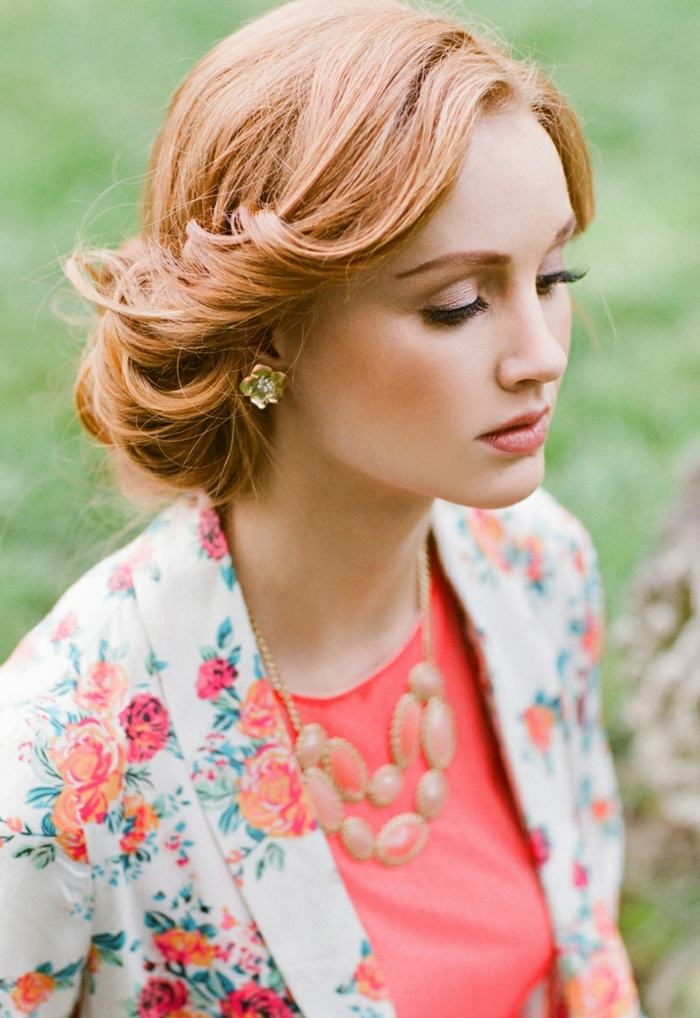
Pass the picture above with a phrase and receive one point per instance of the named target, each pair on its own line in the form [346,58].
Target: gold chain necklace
[335,771]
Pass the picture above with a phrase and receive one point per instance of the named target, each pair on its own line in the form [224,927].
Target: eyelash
[455,316]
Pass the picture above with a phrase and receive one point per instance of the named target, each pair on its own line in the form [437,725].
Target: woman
[322,740]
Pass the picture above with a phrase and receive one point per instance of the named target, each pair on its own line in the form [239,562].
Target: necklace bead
[346,769]
[405,730]
[334,770]
[385,784]
[310,744]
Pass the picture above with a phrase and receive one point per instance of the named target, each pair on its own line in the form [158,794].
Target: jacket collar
[199,629]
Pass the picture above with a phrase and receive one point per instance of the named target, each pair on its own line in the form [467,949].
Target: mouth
[521,435]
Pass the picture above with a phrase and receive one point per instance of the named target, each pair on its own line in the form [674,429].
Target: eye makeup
[456,313]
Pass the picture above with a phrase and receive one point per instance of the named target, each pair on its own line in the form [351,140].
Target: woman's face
[403,372]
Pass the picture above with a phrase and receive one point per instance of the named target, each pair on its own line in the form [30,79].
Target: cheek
[387,381]
[559,318]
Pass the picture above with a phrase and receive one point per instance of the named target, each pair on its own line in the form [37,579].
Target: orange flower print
[66,819]
[532,551]
[101,688]
[602,809]
[260,717]
[488,532]
[272,796]
[580,562]
[369,980]
[94,959]
[185,947]
[31,990]
[140,819]
[592,638]
[91,762]
[539,720]
[603,989]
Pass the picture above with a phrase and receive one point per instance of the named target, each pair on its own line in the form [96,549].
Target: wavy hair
[305,145]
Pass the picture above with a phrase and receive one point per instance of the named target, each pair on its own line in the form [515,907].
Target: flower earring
[263,385]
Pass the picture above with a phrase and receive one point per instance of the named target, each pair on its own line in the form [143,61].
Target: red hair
[311,142]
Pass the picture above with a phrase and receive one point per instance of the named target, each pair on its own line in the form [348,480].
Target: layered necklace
[335,772]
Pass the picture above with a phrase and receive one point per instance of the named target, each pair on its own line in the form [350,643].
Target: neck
[329,572]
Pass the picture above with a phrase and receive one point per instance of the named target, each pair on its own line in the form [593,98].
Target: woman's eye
[457,315]
[453,316]
[546,284]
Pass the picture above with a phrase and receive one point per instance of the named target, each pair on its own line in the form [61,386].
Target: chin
[507,487]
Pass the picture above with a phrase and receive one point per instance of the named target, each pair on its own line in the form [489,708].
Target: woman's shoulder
[94,612]
[67,695]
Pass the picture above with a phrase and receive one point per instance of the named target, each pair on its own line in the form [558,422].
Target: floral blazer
[159,853]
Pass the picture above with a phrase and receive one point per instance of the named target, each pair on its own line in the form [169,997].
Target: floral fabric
[159,853]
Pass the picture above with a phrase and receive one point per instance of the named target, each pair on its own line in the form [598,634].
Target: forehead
[510,195]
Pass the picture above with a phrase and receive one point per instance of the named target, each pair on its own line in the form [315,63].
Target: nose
[533,353]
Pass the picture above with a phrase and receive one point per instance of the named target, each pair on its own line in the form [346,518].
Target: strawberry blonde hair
[309,143]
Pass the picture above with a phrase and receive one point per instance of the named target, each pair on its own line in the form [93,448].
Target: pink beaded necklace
[336,772]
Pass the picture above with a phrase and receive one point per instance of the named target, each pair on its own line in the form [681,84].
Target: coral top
[463,928]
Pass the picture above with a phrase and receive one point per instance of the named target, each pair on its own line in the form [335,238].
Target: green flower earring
[263,385]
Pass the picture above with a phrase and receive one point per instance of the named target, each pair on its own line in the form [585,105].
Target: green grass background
[86,86]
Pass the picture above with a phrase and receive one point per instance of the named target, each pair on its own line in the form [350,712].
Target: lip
[520,435]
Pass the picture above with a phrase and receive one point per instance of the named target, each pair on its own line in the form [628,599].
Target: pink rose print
[101,688]
[539,843]
[65,628]
[146,723]
[260,717]
[159,998]
[211,537]
[90,760]
[489,533]
[369,980]
[214,675]
[121,580]
[253,1001]
[579,875]
[272,796]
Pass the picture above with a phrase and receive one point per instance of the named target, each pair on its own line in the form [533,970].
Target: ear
[281,346]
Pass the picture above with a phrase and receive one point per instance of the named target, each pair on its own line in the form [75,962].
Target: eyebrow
[483,257]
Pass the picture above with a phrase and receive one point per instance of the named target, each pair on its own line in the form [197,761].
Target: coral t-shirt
[463,928]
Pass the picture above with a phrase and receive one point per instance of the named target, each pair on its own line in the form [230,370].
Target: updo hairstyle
[310,143]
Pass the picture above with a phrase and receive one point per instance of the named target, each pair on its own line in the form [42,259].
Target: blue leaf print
[223,633]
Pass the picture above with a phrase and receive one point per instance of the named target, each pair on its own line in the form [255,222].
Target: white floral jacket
[159,853]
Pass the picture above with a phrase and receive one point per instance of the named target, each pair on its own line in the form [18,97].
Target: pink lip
[520,436]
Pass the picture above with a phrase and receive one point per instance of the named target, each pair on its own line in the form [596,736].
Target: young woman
[326,739]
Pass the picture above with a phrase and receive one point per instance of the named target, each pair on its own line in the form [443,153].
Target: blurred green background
[86,87]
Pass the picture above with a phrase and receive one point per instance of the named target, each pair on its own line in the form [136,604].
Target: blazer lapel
[518,674]
[243,768]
